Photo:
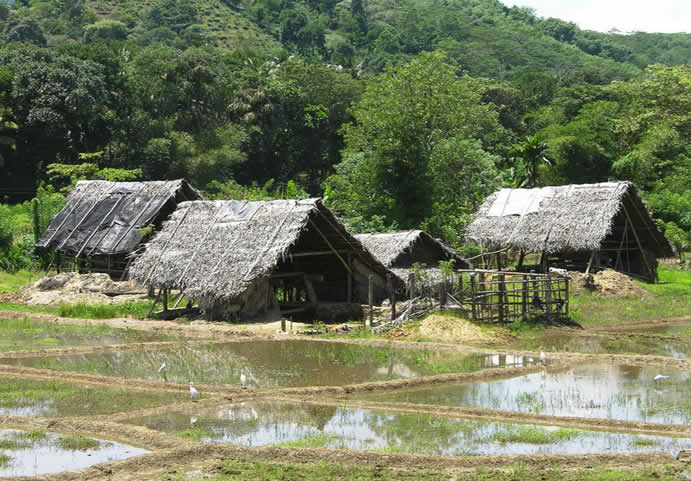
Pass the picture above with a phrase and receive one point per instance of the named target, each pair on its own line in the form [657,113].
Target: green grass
[137,310]
[5,460]
[13,282]
[58,399]
[196,433]
[77,443]
[320,471]
[6,306]
[320,440]
[644,442]
[669,298]
[535,435]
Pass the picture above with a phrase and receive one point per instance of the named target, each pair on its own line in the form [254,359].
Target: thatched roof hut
[590,225]
[399,251]
[237,256]
[105,219]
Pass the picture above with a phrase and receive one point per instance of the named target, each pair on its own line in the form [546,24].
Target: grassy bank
[669,298]
[265,471]
[137,310]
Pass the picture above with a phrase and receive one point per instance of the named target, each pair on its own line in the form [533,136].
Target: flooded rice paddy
[644,344]
[23,334]
[274,364]
[264,423]
[30,453]
[26,397]
[593,391]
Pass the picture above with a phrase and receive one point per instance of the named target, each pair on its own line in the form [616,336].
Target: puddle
[614,345]
[273,364]
[30,453]
[24,397]
[262,423]
[595,391]
[24,334]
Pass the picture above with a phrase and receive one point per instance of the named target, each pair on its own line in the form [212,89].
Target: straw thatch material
[403,249]
[223,252]
[103,218]
[565,218]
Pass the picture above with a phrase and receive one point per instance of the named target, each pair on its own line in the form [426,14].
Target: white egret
[193,392]
[243,380]
[163,368]
[660,377]
[193,421]
[542,357]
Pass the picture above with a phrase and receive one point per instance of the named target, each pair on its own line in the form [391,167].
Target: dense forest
[401,113]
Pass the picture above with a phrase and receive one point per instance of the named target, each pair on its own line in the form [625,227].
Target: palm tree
[529,154]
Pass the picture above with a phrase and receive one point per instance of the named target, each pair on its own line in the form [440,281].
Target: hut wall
[361,275]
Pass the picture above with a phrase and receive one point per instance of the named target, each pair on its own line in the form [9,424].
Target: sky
[666,16]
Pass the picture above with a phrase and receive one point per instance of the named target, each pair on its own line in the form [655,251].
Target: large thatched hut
[103,221]
[244,259]
[400,251]
[580,227]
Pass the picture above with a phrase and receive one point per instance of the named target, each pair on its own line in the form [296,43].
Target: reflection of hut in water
[400,251]
[103,222]
[579,227]
[245,259]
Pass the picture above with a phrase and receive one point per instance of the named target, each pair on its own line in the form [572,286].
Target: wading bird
[542,357]
[163,368]
[193,392]
[243,380]
[660,377]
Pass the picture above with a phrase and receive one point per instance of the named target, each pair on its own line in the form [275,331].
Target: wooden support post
[179,300]
[498,257]
[370,298]
[349,290]
[154,304]
[566,297]
[651,272]
[590,262]
[57,261]
[460,282]
[502,293]
[392,298]
[524,298]
[283,324]
[548,298]
[411,285]
[521,257]
[165,299]
[472,296]
[442,293]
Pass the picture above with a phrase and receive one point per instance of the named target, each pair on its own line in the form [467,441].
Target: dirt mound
[72,288]
[12,297]
[457,330]
[608,282]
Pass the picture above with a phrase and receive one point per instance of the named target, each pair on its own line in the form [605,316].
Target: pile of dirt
[12,297]
[608,282]
[456,330]
[72,288]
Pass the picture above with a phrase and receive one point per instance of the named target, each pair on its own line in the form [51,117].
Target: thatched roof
[563,218]
[215,251]
[402,249]
[102,218]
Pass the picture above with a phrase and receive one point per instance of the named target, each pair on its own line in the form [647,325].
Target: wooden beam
[349,287]
[318,253]
[590,262]
[638,241]
[345,264]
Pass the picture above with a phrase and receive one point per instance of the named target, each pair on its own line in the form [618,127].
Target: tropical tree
[527,157]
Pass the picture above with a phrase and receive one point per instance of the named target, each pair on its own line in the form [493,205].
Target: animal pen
[498,296]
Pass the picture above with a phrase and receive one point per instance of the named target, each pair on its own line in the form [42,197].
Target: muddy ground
[173,453]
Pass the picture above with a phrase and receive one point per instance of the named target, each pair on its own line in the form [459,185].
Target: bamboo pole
[548,299]
[524,301]
[370,297]
[472,297]
[640,247]
[500,300]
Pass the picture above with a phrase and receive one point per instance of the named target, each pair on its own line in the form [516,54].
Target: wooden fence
[497,296]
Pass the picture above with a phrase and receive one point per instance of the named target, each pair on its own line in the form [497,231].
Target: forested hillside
[403,113]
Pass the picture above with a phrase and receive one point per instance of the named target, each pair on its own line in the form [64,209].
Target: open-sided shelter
[245,259]
[579,227]
[103,221]
[399,251]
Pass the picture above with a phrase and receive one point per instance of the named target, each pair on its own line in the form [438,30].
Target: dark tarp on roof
[102,218]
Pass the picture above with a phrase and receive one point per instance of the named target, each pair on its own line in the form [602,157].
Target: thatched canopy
[103,218]
[566,218]
[218,251]
[403,249]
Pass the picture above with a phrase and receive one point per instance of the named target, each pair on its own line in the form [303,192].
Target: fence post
[472,296]
[524,298]
[442,293]
[548,298]
[392,296]
[370,298]
[165,299]
[566,297]
[411,285]
[502,293]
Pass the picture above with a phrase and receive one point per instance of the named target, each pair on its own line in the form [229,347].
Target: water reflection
[598,391]
[273,364]
[263,423]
